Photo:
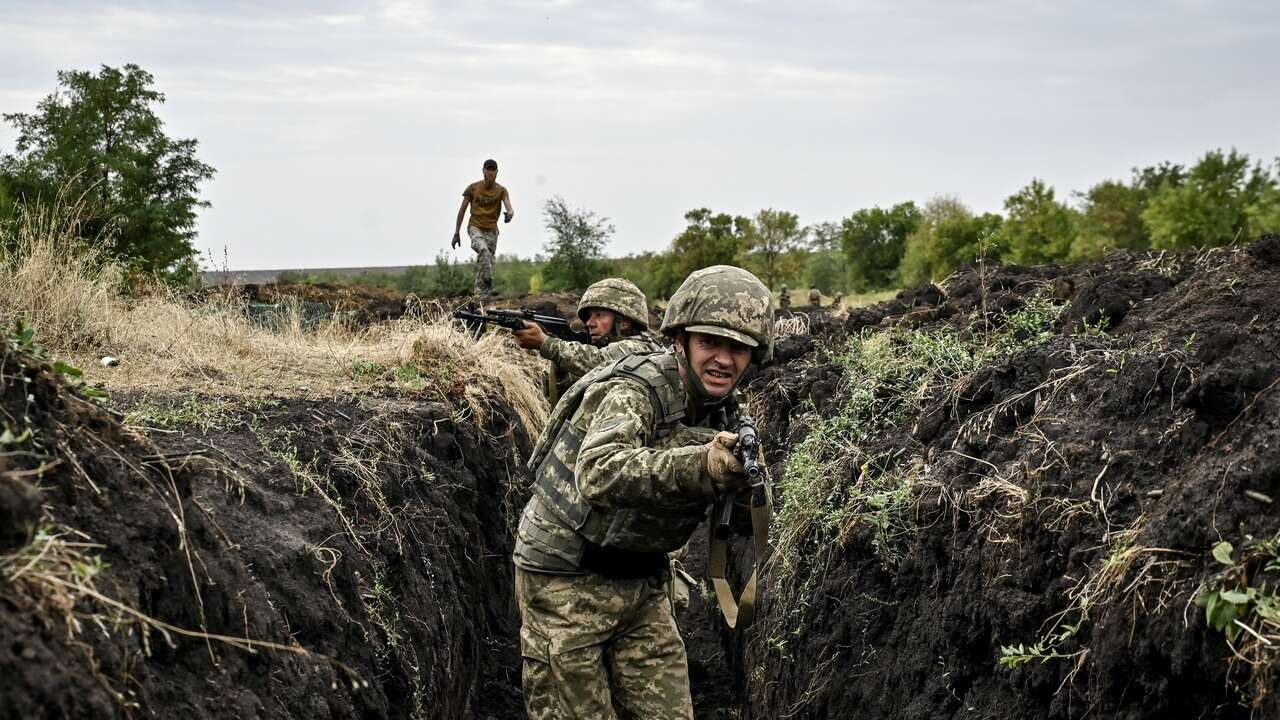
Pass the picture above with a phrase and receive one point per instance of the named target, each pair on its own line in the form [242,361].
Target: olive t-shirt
[485,204]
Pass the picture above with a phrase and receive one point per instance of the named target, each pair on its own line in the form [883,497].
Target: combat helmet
[618,295]
[726,301]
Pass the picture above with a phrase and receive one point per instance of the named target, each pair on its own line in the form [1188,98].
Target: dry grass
[76,302]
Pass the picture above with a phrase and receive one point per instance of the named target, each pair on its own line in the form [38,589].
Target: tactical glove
[726,472]
[506,216]
[457,240]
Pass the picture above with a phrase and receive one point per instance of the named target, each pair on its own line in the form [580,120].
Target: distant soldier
[625,470]
[616,314]
[484,197]
[815,297]
[784,298]
[838,300]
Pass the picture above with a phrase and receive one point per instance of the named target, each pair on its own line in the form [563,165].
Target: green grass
[171,414]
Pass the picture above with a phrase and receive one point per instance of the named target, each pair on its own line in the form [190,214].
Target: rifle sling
[739,613]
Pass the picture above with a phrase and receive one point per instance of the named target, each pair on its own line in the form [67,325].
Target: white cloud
[323,118]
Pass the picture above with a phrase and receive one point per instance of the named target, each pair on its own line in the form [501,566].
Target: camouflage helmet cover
[726,301]
[618,295]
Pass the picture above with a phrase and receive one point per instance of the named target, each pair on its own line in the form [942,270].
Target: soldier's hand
[506,216]
[457,240]
[530,337]
[727,474]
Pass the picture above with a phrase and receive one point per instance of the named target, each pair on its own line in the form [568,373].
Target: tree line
[1222,198]
[98,142]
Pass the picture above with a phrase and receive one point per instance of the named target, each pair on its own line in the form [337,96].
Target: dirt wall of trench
[1064,506]
[368,539]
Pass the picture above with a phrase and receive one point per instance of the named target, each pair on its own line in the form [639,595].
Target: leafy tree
[825,237]
[1038,228]
[772,243]
[1111,211]
[949,235]
[827,271]
[1212,206]
[708,239]
[874,240]
[7,206]
[1264,215]
[1110,218]
[826,268]
[576,247]
[98,137]
[1150,180]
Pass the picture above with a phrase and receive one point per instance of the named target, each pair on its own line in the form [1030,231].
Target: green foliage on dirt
[889,376]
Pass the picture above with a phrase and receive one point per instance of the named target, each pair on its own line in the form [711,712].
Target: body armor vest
[558,525]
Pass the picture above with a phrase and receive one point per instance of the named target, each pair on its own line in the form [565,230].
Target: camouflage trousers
[485,243]
[601,648]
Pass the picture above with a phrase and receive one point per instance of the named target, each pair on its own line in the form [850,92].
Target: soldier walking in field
[631,458]
[484,197]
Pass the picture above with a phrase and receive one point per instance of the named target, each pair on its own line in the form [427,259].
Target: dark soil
[401,610]
[1174,415]
[372,535]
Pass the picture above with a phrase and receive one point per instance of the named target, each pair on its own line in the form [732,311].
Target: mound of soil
[329,558]
[1102,466]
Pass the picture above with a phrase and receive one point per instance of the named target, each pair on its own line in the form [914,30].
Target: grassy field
[80,307]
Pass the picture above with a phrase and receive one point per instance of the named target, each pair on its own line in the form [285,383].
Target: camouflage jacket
[577,359]
[622,469]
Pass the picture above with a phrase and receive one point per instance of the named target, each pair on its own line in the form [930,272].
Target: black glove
[506,216]
[457,241]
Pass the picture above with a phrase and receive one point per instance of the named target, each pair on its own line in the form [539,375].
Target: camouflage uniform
[622,297]
[485,243]
[815,298]
[620,482]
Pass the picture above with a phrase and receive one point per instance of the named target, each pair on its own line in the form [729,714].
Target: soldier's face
[600,322]
[718,362]
[489,176]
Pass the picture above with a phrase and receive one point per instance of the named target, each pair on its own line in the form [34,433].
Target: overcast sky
[344,133]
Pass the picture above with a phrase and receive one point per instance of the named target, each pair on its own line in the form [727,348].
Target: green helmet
[726,301]
[618,295]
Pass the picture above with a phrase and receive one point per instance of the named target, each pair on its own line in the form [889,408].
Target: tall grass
[81,307]
[54,280]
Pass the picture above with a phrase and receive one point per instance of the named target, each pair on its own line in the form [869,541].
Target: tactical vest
[557,524]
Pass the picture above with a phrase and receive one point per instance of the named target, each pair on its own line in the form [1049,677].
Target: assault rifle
[740,613]
[748,452]
[516,319]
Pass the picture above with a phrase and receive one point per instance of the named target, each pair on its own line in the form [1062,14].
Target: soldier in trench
[615,313]
[630,460]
